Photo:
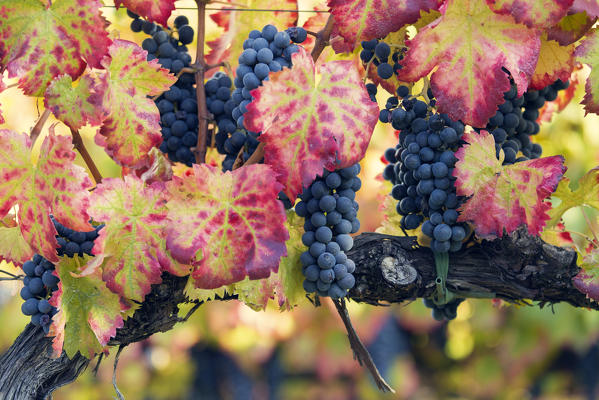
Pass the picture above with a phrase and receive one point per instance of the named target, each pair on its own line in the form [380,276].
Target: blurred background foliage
[227,351]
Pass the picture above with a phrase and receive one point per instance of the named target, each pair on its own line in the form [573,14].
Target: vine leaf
[588,53]
[132,126]
[357,20]
[533,13]
[228,225]
[587,194]
[54,185]
[75,106]
[238,24]
[468,46]
[13,247]
[587,282]
[40,40]
[564,97]
[555,62]
[591,7]
[571,27]
[88,312]
[307,125]
[153,10]
[2,88]
[503,197]
[131,247]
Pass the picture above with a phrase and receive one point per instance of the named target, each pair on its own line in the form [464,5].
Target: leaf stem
[257,156]
[116,362]
[80,147]
[361,354]
[322,38]
[39,125]
[199,66]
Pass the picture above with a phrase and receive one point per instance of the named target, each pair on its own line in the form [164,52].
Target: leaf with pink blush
[77,105]
[227,225]
[503,197]
[153,10]
[571,28]
[358,20]
[533,13]
[88,312]
[132,243]
[132,125]
[587,282]
[467,48]
[308,125]
[591,7]
[54,185]
[42,40]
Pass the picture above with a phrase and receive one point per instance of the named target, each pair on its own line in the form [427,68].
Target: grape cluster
[378,53]
[71,242]
[330,211]
[39,283]
[516,121]
[447,311]
[421,170]
[40,279]
[264,51]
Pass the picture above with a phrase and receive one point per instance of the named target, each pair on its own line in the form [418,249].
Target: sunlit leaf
[75,106]
[555,62]
[131,244]
[357,20]
[587,194]
[153,10]
[468,46]
[13,247]
[132,126]
[54,185]
[534,13]
[88,312]
[228,225]
[308,125]
[40,40]
[503,197]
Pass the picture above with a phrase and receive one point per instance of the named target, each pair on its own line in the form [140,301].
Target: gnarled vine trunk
[389,269]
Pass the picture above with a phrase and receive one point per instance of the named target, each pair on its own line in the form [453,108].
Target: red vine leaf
[2,88]
[132,126]
[88,313]
[357,20]
[40,40]
[503,197]
[588,53]
[555,62]
[238,24]
[153,10]
[308,125]
[55,185]
[571,28]
[75,106]
[132,243]
[228,225]
[591,7]
[468,46]
[533,13]
[587,282]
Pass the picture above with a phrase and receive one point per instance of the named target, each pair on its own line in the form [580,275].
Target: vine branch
[39,125]
[322,38]
[89,161]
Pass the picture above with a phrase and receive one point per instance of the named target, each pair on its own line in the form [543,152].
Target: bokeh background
[227,351]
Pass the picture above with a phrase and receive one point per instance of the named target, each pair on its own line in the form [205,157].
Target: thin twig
[322,39]
[12,85]
[190,312]
[361,354]
[257,156]
[80,147]
[10,274]
[116,362]
[100,358]
[37,129]
[200,65]
[238,160]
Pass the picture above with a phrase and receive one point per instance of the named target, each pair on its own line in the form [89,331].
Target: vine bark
[389,269]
